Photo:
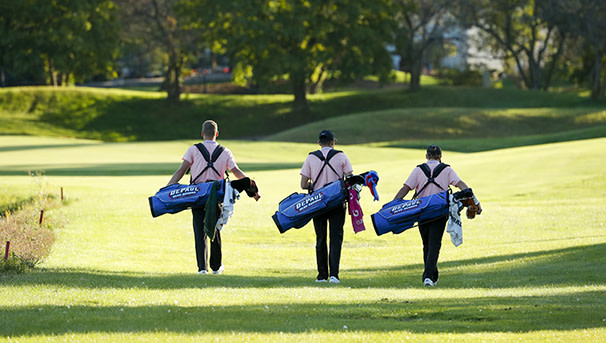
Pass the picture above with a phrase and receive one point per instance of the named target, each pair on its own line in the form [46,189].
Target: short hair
[209,128]
[434,151]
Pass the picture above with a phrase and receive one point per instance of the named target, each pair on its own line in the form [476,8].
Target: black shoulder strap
[326,160]
[210,160]
[430,176]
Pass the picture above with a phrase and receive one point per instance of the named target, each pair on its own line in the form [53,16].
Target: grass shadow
[482,312]
[574,266]
[126,169]
[461,315]
[38,147]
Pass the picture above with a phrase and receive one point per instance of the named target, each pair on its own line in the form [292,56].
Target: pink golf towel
[355,211]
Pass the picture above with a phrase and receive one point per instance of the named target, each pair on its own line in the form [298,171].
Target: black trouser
[431,234]
[201,245]
[333,221]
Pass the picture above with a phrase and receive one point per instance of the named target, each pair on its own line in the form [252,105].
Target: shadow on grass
[575,266]
[469,145]
[458,313]
[38,147]
[127,169]
[523,314]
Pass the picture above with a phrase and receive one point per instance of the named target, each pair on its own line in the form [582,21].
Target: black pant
[201,245]
[334,221]
[431,234]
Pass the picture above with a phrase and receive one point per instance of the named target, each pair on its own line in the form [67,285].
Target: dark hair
[434,151]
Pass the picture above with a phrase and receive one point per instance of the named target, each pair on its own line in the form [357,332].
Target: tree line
[306,42]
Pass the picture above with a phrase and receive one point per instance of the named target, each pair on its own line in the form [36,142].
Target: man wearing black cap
[321,168]
[432,230]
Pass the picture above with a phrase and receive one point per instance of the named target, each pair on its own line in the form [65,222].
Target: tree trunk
[554,60]
[596,74]
[299,91]
[316,87]
[172,79]
[415,75]
[535,73]
[51,72]
[300,104]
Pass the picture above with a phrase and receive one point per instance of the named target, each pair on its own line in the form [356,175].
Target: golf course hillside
[475,118]
[531,266]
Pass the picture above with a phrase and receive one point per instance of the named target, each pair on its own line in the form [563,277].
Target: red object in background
[8,246]
[41,216]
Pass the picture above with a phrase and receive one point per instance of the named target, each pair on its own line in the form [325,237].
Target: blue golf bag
[298,209]
[176,198]
[399,215]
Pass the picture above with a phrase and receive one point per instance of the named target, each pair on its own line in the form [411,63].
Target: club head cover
[253,191]
[241,184]
[371,180]
[355,180]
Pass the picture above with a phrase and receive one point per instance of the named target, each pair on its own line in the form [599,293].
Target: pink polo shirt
[198,163]
[312,165]
[417,179]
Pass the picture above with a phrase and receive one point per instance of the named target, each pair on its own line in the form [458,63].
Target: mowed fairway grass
[531,267]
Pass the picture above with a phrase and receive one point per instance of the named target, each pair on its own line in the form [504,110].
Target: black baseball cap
[326,135]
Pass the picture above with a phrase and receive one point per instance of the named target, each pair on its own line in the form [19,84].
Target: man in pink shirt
[315,174]
[432,230]
[201,172]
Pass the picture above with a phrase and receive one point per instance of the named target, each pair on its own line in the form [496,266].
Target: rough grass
[23,224]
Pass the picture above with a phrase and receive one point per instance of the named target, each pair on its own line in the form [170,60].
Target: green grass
[484,129]
[119,115]
[530,268]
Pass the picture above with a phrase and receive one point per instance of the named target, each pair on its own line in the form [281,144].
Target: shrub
[31,240]
[14,264]
[456,77]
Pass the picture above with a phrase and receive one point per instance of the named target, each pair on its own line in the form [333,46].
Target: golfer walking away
[202,170]
[436,178]
[316,173]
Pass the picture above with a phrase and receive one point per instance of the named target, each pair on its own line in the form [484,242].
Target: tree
[300,40]
[518,28]
[585,19]
[68,39]
[154,23]
[422,26]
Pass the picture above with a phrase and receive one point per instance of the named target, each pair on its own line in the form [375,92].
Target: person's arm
[179,173]
[238,173]
[402,192]
[305,182]
[461,185]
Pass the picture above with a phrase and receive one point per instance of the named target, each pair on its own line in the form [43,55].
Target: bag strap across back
[326,161]
[210,159]
[430,176]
